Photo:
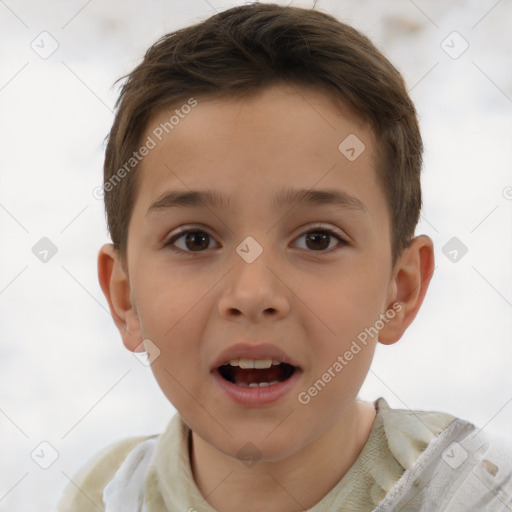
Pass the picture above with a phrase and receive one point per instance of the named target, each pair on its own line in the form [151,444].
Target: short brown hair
[244,49]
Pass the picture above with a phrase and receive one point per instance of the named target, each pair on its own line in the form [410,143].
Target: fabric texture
[84,492]
[125,492]
[413,461]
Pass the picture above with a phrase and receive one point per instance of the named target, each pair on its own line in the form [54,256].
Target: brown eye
[193,241]
[197,240]
[318,240]
[321,240]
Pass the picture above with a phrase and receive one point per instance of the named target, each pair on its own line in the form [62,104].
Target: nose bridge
[253,287]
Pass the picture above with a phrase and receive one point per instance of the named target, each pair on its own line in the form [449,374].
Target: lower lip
[256,397]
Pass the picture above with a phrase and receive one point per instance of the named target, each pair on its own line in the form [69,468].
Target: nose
[254,291]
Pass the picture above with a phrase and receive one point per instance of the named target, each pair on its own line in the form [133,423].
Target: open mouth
[256,373]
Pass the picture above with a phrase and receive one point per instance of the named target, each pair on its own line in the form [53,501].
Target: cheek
[173,310]
[344,307]
[166,301]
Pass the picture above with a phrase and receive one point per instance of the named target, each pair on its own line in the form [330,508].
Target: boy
[285,144]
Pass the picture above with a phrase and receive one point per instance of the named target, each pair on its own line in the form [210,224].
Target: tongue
[249,376]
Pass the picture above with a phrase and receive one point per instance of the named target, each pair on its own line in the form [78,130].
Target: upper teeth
[254,363]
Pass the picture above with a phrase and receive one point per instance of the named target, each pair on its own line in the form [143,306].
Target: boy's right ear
[115,284]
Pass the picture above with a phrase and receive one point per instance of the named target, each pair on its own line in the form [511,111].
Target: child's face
[307,294]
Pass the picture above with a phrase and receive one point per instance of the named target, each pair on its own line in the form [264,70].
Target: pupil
[319,237]
[192,236]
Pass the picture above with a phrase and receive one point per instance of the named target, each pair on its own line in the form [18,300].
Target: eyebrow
[283,198]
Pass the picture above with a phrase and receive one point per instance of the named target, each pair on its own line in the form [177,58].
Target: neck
[293,484]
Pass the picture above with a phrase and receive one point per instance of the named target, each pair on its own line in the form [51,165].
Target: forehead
[280,138]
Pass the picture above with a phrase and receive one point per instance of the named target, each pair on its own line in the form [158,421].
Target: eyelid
[326,227]
[187,228]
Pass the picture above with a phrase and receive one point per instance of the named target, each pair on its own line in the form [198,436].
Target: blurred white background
[67,380]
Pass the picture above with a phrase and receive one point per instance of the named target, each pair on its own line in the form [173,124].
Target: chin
[257,446]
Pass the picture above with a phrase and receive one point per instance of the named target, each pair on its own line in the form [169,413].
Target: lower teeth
[256,384]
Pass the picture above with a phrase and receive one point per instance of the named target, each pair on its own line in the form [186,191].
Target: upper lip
[248,351]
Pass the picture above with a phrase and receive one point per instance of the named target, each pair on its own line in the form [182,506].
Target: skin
[311,303]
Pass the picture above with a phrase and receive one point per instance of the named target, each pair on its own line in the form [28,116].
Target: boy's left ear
[411,277]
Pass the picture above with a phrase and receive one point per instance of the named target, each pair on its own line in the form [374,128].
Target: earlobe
[115,284]
[412,276]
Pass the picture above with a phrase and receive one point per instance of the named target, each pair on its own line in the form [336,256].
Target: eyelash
[315,229]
